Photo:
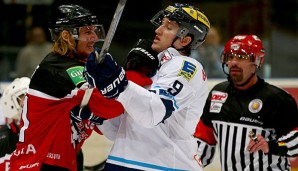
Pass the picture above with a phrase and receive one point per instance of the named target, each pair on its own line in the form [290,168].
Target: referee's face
[241,68]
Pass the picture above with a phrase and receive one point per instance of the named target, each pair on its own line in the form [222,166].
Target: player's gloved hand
[107,76]
[142,58]
[78,114]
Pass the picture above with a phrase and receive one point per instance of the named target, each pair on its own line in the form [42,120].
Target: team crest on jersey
[255,105]
[166,57]
[76,74]
[188,70]
[218,98]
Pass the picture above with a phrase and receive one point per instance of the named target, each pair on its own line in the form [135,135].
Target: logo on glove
[145,52]
[114,84]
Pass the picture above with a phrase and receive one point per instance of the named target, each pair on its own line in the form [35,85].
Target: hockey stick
[105,46]
[112,30]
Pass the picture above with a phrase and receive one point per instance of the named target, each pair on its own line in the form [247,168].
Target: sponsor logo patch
[188,70]
[76,74]
[255,105]
[218,98]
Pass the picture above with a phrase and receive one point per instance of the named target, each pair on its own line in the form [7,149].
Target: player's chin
[156,47]
[89,49]
[235,76]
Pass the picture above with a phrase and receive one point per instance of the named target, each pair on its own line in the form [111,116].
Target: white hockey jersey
[156,131]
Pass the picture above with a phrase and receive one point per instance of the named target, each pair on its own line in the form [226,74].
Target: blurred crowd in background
[25,39]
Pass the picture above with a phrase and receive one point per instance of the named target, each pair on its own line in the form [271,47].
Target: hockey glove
[78,114]
[142,58]
[107,76]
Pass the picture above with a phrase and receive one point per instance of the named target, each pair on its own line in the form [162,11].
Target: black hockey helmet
[192,22]
[142,55]
[72,17]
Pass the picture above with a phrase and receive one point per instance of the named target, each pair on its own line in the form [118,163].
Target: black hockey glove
[142,55]
[107,76]
[85,113]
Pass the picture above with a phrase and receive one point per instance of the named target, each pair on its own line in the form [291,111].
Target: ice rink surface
[97,147]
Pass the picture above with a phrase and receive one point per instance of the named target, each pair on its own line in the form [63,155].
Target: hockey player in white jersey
[156,131]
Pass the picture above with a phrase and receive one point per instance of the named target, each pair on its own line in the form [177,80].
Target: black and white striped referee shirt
[230,114]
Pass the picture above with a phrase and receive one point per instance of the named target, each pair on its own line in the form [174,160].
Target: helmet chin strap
[223,68]
[172,45]
[183,49]
[76,51]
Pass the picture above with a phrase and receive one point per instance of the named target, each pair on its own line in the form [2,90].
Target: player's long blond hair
[63,47]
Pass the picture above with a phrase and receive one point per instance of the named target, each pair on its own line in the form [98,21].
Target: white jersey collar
[167,55]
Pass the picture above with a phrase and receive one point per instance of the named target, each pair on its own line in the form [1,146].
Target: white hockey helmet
[9,101]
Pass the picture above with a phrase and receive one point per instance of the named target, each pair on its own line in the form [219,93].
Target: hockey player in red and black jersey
[57,87]
[243,106]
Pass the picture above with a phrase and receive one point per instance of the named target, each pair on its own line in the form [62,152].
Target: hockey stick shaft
[112,30]
[105,46]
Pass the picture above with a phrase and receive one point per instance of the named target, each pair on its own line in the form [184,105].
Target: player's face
[165,34]
[240,68]
[87,37]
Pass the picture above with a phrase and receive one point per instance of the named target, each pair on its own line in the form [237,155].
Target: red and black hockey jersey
[45,135]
